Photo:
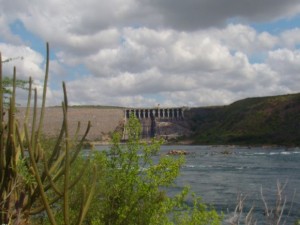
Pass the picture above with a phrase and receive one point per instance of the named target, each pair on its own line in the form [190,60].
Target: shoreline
[189,142]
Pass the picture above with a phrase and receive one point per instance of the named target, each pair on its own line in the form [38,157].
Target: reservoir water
[220,173]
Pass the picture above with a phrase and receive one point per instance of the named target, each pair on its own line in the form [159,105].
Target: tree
[7,83]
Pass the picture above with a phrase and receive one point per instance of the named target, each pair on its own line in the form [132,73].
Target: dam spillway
[155,121]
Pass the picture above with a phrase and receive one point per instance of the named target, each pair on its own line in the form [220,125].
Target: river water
[220,173]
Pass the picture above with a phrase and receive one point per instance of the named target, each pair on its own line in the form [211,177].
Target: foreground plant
[133,186]
[34,179]
[277,214]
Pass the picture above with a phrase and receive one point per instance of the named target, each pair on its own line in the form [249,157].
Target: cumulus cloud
[27,61]
[214,83]
[286,62]
[191,14]
[244,38]
[142,52]
[291,38]
[78,24]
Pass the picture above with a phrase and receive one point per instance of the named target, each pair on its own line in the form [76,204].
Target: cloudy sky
[148,52]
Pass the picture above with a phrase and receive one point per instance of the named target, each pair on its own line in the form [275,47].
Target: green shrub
[132,187]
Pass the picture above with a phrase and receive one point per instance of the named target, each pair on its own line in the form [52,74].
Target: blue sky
[144,53]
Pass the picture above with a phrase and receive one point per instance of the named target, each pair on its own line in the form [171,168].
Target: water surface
[220,173]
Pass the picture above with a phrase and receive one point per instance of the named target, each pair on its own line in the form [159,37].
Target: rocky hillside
[264,120]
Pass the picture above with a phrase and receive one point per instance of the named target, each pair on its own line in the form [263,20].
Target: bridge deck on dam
[166,113]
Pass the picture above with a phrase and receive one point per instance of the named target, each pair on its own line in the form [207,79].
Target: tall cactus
[21,148]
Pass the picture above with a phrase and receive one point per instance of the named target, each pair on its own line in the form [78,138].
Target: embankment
[104,121]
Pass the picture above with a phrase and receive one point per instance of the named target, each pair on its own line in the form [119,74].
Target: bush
[133,189]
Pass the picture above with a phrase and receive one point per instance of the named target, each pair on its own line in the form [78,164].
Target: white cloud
[149,52]
[235,79]
[27,61]
[199,68]
[244,38]
[286,63]
[291,38]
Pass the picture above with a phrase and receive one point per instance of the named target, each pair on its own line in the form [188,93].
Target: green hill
[252,121]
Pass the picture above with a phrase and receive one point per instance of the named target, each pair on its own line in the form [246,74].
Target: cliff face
[265,120]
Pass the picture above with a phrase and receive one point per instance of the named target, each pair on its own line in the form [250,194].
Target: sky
[144,53]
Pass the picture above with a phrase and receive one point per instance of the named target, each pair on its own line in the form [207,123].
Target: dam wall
[104,121]
[167,123]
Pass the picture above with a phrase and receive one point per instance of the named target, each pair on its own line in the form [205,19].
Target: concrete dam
[166,123]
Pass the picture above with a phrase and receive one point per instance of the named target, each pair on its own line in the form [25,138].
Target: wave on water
[196,166]
[272,153]
[283,153]
[189,166]
[286,153]
[259,153]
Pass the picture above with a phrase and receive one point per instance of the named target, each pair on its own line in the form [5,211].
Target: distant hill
[252,121]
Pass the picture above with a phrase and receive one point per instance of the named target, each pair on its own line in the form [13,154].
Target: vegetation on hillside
[253,121]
